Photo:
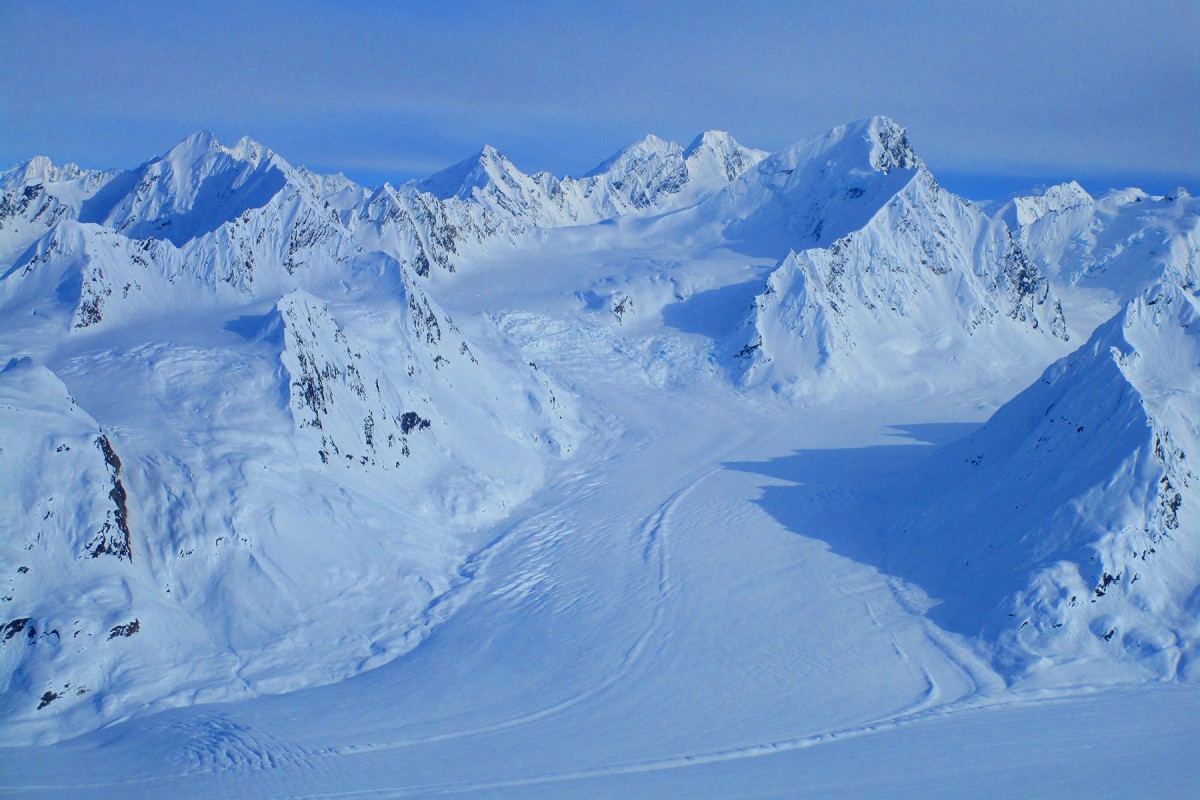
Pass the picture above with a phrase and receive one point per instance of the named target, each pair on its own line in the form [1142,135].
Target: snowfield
[712,473]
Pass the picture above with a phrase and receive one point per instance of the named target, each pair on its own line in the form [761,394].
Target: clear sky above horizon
[996,96]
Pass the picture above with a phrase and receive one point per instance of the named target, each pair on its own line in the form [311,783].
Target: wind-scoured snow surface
[710,473]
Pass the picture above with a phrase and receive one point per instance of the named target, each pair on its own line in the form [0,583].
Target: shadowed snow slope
[1066,529]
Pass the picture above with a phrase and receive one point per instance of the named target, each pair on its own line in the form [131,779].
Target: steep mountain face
[69,539]
[1101,253]
[909,272]
[237,218]
[1066,529]
[808,194]
[192,190]
[423,232]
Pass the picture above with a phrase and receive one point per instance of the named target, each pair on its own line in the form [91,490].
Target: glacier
[665,479]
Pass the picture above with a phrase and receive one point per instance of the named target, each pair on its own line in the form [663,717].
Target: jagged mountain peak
[202,147]
[247,149]
[718,153]
[1105,250]
[39,169]
[880,142]
[1025,210]
[811,192]
[890,146]
[1069,188]
[883,261]
[193,189]
[485,167]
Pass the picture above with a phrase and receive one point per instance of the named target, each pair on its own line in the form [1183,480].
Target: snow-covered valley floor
[692,608]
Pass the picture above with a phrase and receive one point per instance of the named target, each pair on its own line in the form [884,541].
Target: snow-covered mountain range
[261,429]
[887,268]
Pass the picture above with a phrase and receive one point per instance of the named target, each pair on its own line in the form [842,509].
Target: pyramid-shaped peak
[200,141]
[489,153]
[488,165]
[652,142]
[248,149]
[649,146]
[879,143]
[1069,190]
[717,150]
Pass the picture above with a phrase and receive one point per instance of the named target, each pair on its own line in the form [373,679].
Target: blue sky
[996,96]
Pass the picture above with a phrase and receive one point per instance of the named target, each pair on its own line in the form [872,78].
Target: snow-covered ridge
[200,185]
[651,174]
[1022,211]
[38,169]
[1103,252]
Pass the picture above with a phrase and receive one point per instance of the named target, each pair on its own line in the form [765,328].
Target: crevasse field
[712,473]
